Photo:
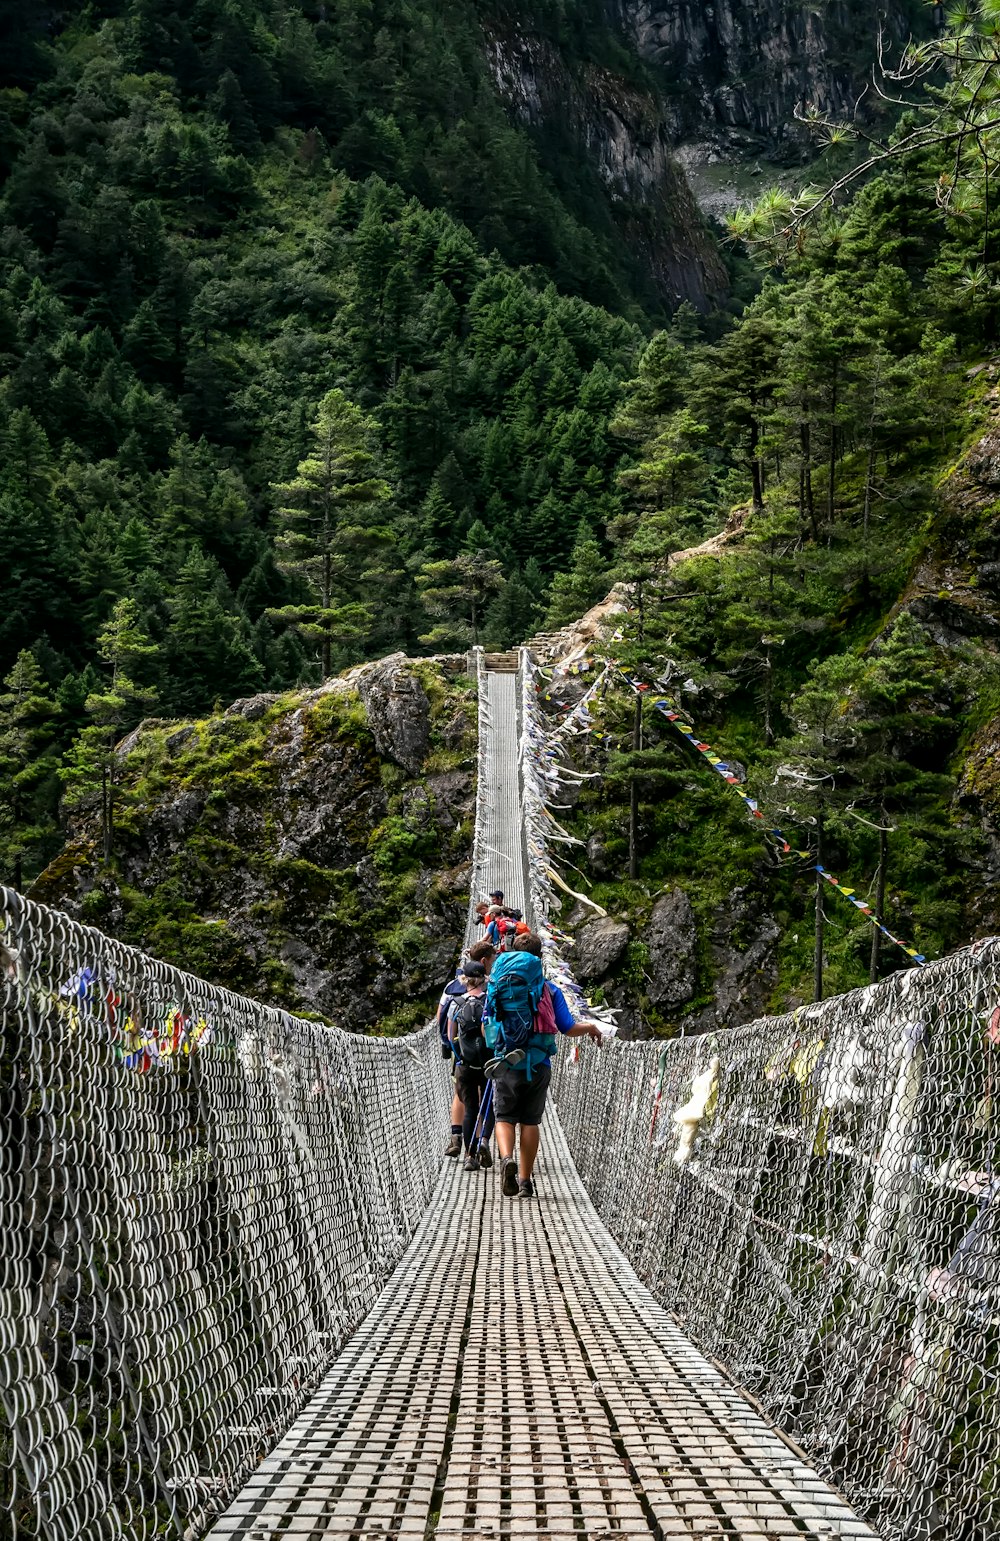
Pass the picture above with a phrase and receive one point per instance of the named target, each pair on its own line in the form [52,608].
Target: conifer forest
[335,329]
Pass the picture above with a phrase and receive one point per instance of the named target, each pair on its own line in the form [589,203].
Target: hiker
[465,1028]
[482,953]
[494,915]
[525,1013]
[453,990]
[506,928]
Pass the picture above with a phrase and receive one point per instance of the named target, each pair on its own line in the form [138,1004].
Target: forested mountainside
[333,329]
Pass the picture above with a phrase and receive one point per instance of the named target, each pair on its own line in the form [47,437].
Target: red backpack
[545,1016]
[507,929]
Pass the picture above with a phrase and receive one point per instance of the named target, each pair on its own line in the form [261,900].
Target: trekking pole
[484,1109]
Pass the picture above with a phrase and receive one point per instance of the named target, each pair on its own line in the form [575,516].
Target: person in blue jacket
[520,1090]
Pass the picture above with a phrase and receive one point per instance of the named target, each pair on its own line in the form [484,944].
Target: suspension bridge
[241,1294]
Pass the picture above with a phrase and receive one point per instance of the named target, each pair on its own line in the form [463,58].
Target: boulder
[175,742]
[742,940]
[252,708]
[598,947]
[597,857]
[397,709]
[672,939]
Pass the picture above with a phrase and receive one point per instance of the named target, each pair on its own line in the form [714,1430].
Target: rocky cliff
[694,85]
[311,849]
[740,68]
[615,124]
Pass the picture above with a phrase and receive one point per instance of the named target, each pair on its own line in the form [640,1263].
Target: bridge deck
[516,1378]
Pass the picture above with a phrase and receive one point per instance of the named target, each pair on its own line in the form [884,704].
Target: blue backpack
[513,996]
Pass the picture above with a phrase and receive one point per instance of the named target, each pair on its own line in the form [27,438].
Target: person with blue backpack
[483,954]
[524,1016]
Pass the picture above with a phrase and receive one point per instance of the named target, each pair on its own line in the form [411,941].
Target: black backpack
[469,1038]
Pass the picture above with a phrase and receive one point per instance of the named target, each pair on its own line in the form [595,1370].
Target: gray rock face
[266,834]
[397,709]
[744,963]
[621,133]
[599,945]
[597,857]
[672,939]
[743,67]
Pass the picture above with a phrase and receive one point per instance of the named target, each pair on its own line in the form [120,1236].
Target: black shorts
[517,1100]
[470,1084]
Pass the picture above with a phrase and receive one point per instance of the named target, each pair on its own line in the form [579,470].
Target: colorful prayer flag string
[674,715]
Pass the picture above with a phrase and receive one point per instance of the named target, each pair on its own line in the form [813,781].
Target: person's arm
[583,1029]
[567,1023]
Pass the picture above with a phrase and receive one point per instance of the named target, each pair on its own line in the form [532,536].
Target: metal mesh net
[816,1198]
[200,1199]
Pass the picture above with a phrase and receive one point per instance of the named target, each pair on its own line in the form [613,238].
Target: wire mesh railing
[817,1198]
[200,1197]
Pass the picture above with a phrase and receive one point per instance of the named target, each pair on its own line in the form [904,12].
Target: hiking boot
[508,1177]
[454,1145]
[470,1164]
[525,1188]
[485,1159]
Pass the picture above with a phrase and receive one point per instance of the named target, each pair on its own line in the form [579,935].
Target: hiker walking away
[453,990]
[525,1013]
[482,953]
[465,1028]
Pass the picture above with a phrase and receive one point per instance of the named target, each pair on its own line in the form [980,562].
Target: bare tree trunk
[108,803]
[633,806]
[883,861]
[831,493]
[818,938]
[808,500]
[768,698]
[756,468]
[327,592]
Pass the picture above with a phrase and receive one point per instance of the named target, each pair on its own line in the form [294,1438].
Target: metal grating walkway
[499,802]
[515,1378]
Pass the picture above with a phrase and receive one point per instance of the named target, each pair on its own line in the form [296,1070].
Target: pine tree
[322,524]
[808,770]
[208,651]
[516,612]
[116,705]
[645,544]
[576,591]
[458,592]
[28,759]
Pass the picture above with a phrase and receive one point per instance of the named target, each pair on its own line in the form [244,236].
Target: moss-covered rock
[280,849]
